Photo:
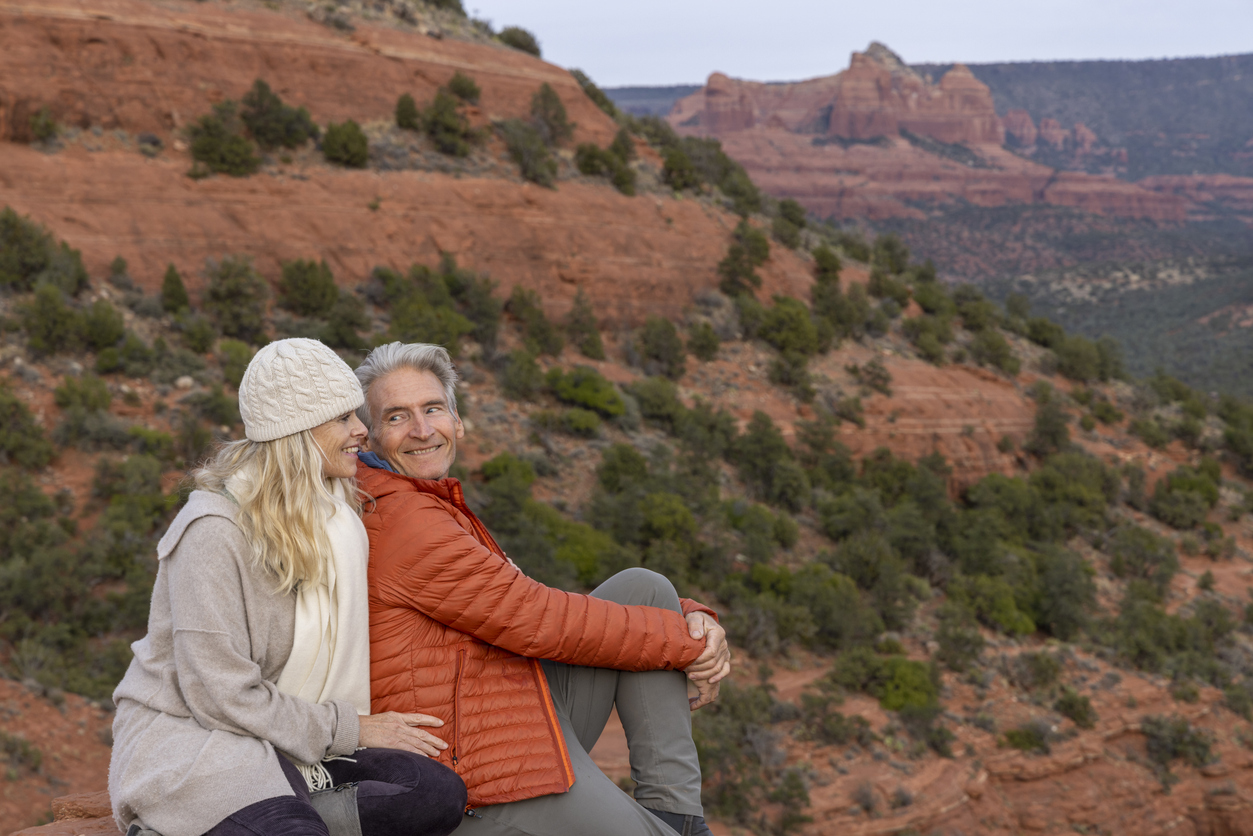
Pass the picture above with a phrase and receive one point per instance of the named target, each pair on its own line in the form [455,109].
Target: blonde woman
[246,709]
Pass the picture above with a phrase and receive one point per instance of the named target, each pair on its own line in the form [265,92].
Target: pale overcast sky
[682,41]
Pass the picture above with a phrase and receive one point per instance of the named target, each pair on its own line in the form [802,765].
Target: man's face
[414,430]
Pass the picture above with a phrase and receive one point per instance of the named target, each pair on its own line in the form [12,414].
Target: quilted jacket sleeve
[423,559]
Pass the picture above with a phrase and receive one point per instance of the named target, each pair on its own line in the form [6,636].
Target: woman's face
[340,439]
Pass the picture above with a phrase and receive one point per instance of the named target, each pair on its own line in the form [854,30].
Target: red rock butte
[879,139]
[878,95]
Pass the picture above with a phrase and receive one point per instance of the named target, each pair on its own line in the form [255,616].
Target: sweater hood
[199,504]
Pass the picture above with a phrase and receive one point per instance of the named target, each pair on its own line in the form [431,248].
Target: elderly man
[524,676]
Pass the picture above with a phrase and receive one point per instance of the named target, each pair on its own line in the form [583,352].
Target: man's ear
[461,428]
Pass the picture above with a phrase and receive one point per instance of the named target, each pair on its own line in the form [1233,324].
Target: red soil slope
[132,66]
[635,256]
[156,66]
[68,732]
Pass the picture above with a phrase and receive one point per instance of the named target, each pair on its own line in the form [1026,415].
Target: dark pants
[398,794]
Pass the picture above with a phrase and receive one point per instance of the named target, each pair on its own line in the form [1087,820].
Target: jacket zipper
[554,725]
[456,706]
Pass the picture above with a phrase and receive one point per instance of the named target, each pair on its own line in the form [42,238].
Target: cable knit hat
[294,385]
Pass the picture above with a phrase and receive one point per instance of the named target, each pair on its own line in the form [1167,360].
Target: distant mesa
[882,139]
[879,95]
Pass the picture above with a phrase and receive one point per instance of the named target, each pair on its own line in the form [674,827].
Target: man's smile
[424,450]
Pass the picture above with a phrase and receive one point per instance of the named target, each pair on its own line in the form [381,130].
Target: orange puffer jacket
[456,631]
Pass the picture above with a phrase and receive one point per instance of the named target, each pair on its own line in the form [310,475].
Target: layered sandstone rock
[151,67]
[1020,128]
[1052,133]
[877,96]
[880,141]
[1209,194]
[1085,139]
[897,179]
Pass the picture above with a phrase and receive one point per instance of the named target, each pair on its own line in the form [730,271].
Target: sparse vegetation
[661,349]
[235,298]
[272,123]
[174,296]
[594,93]
[581,328]
[346,144]
[307,288]
[43,126]
[527,147]
[408,116]
[520,39]
[464,87]
[447,127]
[219,145]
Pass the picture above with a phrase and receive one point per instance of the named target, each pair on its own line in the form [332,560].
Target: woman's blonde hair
[284,503]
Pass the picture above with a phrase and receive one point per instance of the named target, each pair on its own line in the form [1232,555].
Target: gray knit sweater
[199,718]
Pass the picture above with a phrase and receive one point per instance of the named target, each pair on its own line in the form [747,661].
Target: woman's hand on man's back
[393,730]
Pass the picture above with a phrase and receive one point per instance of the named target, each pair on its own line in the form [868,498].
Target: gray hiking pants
[658,722]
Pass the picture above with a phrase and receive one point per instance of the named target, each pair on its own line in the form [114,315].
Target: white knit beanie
[293,385]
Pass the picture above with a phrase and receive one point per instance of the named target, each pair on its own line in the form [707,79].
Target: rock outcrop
[879,140]
[877,96]
[1020,128]
[1209,195]
[898,179]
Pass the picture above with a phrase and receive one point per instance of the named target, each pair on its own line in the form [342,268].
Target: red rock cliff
[835,144]
[877,95]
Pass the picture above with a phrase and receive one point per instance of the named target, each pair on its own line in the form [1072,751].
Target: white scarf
[330,655]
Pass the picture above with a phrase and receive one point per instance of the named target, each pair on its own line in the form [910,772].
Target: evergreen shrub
[548,115]
[307,288]
[272,123]
[520,39]
[174,296]
[585,387]
[346,144]
[463,87]
[235,297]
[661,348]
[447,127]
[703,342]
[527,147]
[408,116]
[218,142]
[581,328]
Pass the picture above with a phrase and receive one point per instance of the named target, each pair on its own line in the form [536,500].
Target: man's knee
[640,586]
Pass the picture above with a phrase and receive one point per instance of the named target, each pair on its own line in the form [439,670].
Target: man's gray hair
[422,357]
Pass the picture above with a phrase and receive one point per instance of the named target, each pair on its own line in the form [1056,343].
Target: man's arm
[428,562]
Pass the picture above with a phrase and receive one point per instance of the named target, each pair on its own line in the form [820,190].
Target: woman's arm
[214,651]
